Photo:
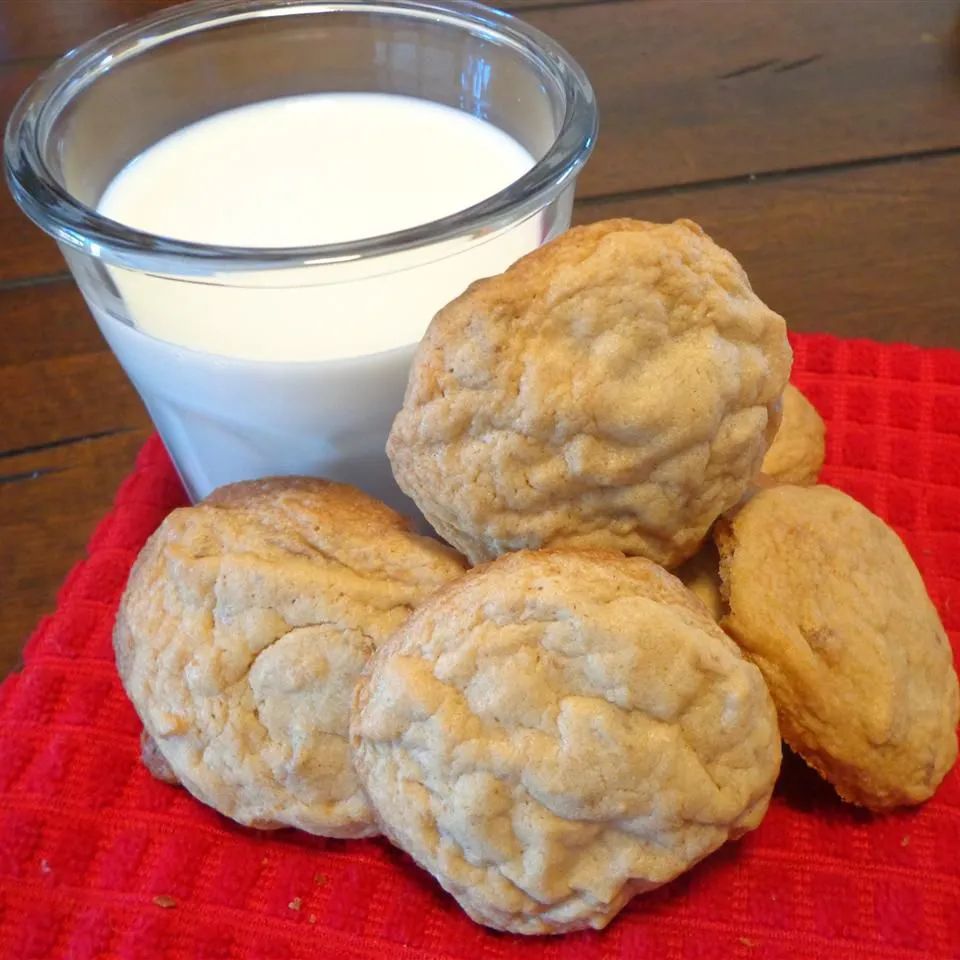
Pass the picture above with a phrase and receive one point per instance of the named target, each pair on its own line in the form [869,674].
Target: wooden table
[817,139]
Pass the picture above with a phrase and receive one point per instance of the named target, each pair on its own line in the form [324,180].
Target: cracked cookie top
[244,625]
[615,389]
[555,732]
[824,597]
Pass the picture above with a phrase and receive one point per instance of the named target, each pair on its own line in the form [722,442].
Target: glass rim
[56,211]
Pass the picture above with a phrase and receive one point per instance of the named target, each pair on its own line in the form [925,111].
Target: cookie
[825,599]
[797,452]
[701,576]
[241,633]
[616,389]
[556,732]
[154,761]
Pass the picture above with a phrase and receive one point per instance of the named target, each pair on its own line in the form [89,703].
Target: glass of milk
[264,202]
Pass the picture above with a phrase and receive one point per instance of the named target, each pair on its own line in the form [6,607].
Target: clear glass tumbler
[225,417]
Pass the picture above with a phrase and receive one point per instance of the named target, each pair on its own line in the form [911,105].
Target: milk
[301,371]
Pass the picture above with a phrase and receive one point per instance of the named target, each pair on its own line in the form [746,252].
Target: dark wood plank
[520,8]
[869,252]
[689,91]
[25,251]
[46,518]
[46,321]
[47,28]
[692,91]
[69,397]
[58,378]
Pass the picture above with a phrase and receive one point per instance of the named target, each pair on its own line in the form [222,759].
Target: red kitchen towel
[98,860]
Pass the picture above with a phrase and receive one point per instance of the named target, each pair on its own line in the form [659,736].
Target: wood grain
[70,397]
[57,373]
[46,321]
[817,140]
[51,502]
[24,250]
[44,29]
[867,252]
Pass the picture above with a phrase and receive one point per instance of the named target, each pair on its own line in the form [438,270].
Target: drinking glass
[225,417]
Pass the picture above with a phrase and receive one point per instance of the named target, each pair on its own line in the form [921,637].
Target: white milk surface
[301,371]
[306,171]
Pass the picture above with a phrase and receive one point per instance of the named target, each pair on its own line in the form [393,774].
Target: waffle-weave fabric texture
[98,860]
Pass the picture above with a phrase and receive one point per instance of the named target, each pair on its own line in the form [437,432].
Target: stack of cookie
[566,724]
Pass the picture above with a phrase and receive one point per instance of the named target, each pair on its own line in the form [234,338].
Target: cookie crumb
[312,918]
[319,879]
[747,942]
[905,842]
[44,866]
[165,901]
[295,904]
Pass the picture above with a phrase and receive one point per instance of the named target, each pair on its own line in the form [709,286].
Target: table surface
[819,140]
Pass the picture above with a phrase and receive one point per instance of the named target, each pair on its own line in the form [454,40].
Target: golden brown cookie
[243,628]
[797,452]
[558,731]
[701,576]
[825,599]
[615,389]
